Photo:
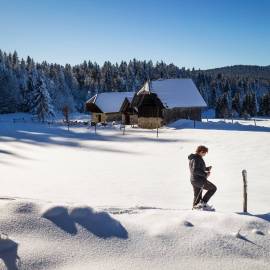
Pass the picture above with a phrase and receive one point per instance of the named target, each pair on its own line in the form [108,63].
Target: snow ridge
[76,237]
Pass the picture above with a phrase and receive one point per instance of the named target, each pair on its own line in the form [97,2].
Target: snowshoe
[208,207]
[203,207]
[198,206]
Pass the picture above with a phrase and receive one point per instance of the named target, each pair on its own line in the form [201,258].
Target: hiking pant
[198,188]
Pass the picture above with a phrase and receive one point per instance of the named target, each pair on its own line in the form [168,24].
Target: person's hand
[210,168]
[208,174]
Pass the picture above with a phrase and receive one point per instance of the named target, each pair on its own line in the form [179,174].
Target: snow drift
[46,236]
[114,201]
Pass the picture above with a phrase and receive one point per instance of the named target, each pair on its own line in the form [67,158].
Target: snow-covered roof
[176,93]
[110,102]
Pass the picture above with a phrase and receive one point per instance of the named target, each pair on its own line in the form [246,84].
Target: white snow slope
[80,200]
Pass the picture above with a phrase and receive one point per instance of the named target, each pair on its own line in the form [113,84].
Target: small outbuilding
[148,108]
[129,115]
[105,107]
[164,101]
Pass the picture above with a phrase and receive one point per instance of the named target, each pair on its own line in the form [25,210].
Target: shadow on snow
[58,135]
[100,224]
[265,217]
[9,254]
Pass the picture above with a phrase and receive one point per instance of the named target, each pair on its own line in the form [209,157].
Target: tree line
[44,89]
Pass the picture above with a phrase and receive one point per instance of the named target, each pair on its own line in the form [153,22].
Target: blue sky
[191,33]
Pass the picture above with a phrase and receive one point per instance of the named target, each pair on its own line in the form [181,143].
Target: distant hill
[257,72]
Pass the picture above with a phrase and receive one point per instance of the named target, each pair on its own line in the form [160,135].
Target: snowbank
[219,125]
[43,236]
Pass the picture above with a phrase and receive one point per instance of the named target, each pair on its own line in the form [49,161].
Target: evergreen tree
[42,106]
[249,104]
[72,85]
[222,108]
[236,104]
[8,93]
[265,105]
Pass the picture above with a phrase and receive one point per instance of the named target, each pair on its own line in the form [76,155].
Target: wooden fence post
[255,122]
[244,174]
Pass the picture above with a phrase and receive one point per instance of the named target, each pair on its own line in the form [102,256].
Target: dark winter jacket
[198,170]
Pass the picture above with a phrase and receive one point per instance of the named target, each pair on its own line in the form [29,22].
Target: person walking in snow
[198,177]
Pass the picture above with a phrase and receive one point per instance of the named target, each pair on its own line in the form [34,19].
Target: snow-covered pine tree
[9,87]
[236,104]
[8,92]
[27,91]
[249,104]
[222,108]
[265,105]
[71,84]
[245,105]
[42,106]
[257,105]
[267,112]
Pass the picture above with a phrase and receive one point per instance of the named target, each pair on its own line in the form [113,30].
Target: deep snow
[79,200]
[49,236]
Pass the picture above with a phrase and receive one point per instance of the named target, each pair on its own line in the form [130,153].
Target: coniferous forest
[44,89]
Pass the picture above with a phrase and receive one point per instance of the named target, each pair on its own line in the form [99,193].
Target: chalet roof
[174,93]
[110,102]
[146,99]
[126,105]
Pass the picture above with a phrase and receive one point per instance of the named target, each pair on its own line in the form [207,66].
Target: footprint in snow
[187,223]
[256,231]
[238,235]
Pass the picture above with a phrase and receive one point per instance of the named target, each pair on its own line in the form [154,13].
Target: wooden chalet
[157,103]
[105,107]
[164,101]
[148,108]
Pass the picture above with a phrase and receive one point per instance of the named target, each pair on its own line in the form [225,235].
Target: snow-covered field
[79,200]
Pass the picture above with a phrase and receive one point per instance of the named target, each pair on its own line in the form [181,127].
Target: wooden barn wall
[113,117]
[171,115]
[133,119]
[95,117]
[149,105]
[150,122]
[106,117]
[149,111]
